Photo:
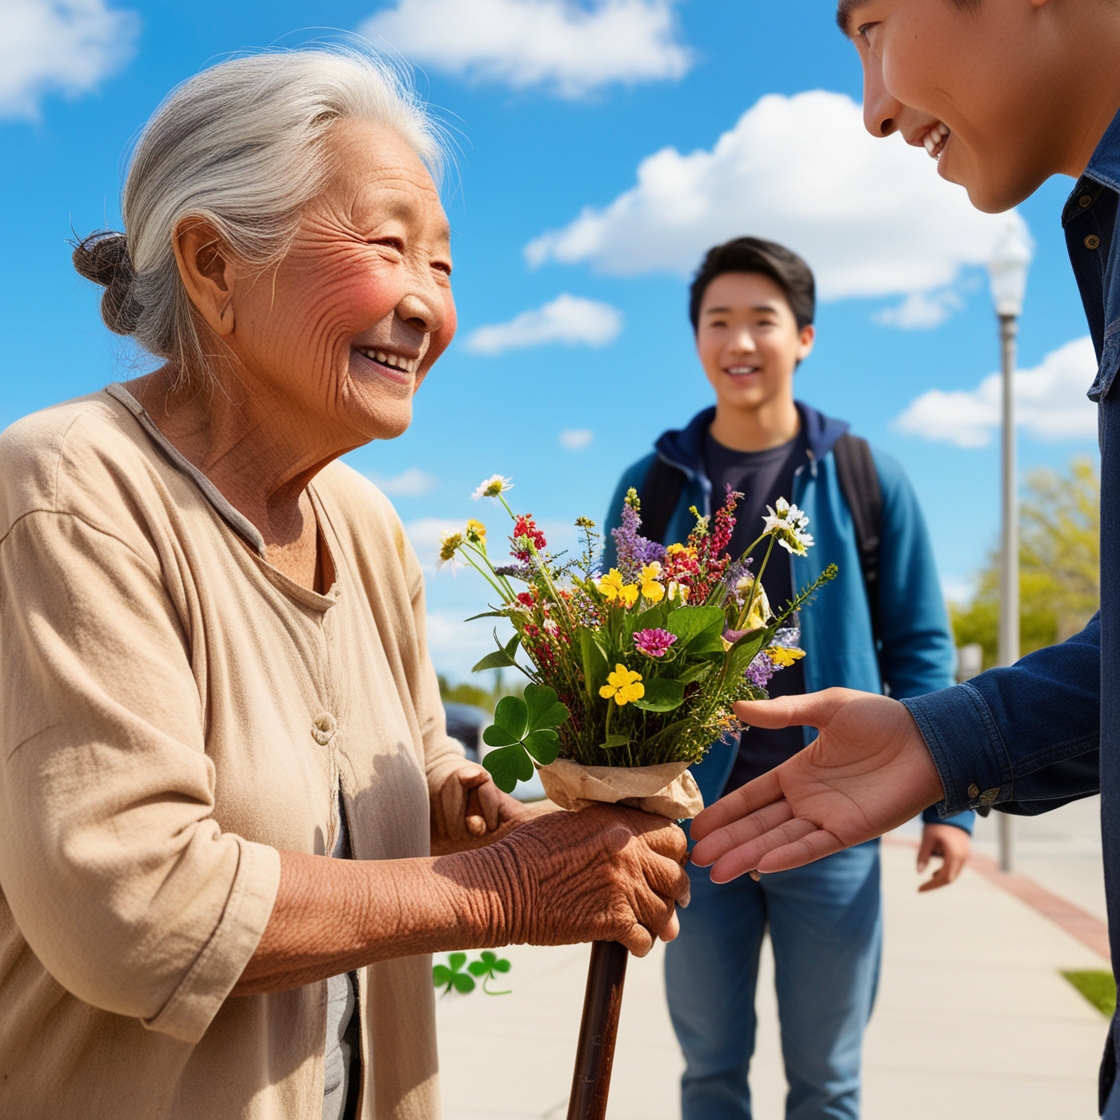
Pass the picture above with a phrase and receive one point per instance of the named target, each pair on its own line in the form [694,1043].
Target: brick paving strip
[1078,923]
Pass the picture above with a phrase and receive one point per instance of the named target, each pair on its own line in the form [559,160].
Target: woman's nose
[423,305]
[880,107]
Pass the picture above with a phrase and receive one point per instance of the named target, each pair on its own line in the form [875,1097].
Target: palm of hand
[868,771]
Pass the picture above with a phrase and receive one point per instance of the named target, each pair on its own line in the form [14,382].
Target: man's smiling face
[971,81]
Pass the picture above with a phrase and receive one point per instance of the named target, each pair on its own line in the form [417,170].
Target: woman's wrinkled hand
[606,873]
[470,810]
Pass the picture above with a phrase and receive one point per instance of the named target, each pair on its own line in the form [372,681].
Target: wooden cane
[602,1002]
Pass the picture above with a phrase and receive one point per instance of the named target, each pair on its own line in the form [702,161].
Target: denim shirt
[1047,730]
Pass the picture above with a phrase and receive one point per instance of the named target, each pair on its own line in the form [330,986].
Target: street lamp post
[1007,271]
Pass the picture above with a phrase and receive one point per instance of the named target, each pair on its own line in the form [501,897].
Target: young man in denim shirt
[1003,93]
[752,306]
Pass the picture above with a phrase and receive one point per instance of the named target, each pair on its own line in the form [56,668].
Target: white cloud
[871,216]
[560,44]
[921,310]
[64,45]
[1050,403]
[576,439]
[568,319]
[410,483]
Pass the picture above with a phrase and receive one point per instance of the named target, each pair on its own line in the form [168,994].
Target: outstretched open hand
[868,771]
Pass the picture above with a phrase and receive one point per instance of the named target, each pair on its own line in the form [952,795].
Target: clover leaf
[486,966]
[524,731]
[453,976]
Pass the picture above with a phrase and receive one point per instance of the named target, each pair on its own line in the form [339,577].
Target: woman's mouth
[396,366]
[935,139]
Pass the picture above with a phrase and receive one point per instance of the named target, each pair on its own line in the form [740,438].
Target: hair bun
[103,258]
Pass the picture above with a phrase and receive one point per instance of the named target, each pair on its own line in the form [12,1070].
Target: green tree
[1059,562]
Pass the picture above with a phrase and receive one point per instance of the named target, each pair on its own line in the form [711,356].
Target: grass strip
[1097,986]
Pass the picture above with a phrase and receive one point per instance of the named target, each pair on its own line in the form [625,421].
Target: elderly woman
[212,648]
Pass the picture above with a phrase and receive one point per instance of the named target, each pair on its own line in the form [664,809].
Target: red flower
[525,530]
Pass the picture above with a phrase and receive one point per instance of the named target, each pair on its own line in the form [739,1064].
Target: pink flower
[654,643]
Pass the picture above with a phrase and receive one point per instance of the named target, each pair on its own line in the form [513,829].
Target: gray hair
[240,147]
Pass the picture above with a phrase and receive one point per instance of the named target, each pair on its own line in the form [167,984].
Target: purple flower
[634,551]
[760,670]
[654,643]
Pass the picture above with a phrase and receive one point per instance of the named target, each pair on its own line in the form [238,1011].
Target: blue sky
[749,111]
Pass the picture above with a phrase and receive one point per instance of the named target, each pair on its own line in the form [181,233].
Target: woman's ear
[207,271]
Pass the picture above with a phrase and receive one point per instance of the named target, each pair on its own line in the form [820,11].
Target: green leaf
[512,716]
[652,618]
[441,975]
[595,666]
[696,672]
[478,968]
[502,657]
[661,695]
[698,629]
[508,766]
[495,736]
[543,745]
[463,983]
[501,964]
[613,741]
[744,651]
[488,614]
[544,710]
[499,659]
[457,960]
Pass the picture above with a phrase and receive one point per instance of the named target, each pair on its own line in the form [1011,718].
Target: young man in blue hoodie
[880,625]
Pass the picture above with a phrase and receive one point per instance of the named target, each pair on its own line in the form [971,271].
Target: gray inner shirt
[342,1000]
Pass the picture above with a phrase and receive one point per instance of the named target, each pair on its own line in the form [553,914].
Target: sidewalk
[972,1011]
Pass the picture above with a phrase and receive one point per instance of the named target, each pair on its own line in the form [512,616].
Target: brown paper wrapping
[668,790]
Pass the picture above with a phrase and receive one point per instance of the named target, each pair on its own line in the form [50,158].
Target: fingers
[928,848]
[746,799]
[491,802]
[669,933]
[788,838]
[637,939]
[740,832]
[814,709]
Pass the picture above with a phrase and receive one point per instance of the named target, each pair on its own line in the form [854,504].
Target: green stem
[756,586]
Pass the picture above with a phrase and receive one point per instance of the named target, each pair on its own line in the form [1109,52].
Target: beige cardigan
[174,710]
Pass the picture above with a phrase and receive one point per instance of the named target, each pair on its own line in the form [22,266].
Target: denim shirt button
[989,796]
[1085,201]
[1092,241]
[974,790]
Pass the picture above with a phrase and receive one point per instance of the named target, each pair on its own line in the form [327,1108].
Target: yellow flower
[760,611]
[624,686]
[784,656]
[611,584]
[628,594]
[449,544]
[678,591]
[475,532]
[652,591]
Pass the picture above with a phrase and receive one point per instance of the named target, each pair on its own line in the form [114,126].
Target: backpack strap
[659,495]
[859,481]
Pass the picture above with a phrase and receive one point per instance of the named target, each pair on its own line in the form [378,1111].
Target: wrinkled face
[970,85]
[343,331]
[748,340]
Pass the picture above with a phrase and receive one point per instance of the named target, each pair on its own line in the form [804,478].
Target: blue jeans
[826,929]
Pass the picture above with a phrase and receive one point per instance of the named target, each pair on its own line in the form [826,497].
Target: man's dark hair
[752,254]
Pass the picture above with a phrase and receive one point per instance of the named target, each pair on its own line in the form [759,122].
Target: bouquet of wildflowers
[637,666]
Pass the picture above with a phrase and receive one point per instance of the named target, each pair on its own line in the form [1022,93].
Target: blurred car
[466,722]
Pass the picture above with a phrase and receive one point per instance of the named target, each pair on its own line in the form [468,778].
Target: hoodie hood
[683,448]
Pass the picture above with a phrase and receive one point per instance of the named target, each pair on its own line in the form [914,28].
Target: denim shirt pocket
[1109,364]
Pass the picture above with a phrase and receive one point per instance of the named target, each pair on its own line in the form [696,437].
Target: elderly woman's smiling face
[343,330]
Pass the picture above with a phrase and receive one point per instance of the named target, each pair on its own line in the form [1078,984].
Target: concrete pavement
[972,1010]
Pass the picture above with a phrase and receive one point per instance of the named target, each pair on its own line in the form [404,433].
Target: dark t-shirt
[762,477]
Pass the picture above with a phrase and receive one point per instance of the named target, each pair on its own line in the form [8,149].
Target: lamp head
[1007,269]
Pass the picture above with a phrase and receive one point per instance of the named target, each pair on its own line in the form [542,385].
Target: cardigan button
[323,727]
[1092,241]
